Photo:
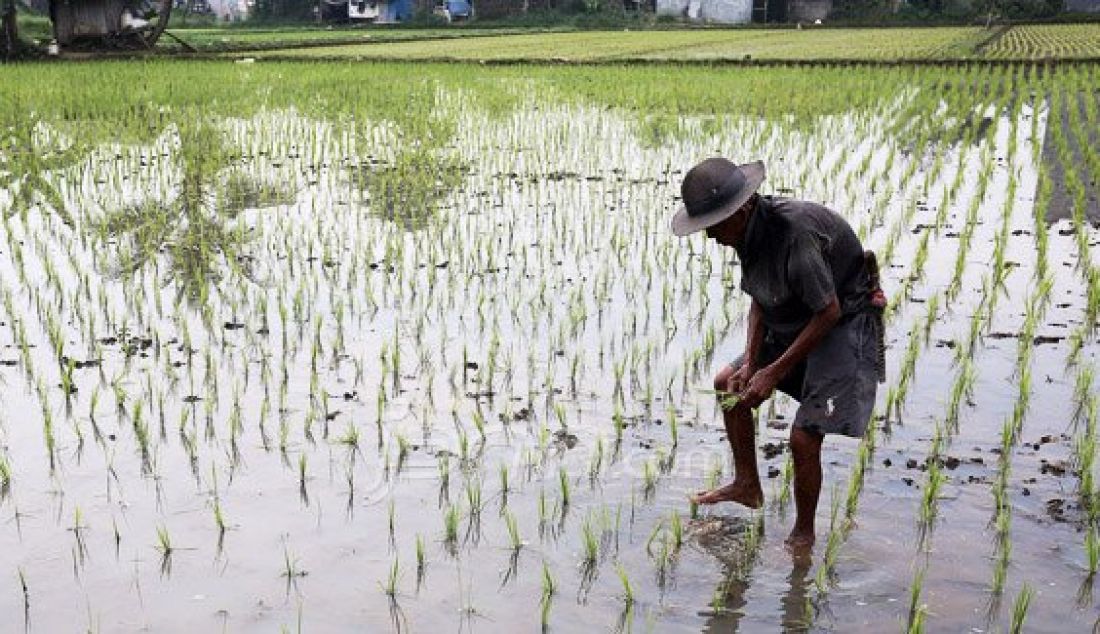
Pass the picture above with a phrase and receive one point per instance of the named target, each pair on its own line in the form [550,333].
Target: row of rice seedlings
[916,343]
[918,611]
[1001,521]
[1065,115]
[963,384]
[1034,309]
[919,335]
[993,285]
[839,531]
[1084,463]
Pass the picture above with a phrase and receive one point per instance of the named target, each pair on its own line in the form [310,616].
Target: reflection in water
[730,597]
[196,228]
[797,610]
[27,158]
[408,191]
[736,543]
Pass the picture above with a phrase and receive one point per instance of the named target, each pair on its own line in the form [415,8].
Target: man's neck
[749,212]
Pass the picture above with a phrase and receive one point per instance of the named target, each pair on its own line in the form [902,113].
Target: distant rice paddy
[929,44]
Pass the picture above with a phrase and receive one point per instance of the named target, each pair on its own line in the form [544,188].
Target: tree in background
[863,9]
[1016,9]
[9,34]
[284,10]
[873,10]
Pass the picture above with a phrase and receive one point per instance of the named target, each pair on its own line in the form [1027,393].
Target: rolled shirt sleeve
[808,276]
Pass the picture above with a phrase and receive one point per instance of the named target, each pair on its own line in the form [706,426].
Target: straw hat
[713,191]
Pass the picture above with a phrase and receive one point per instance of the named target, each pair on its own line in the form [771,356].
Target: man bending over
[814,328]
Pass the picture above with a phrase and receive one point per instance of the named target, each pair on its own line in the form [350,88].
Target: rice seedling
[505,487]
[619,422]
[5,476]
[291,568]
[473,497]
[402,450]
[627,596]
[302,476]
[1082,391]
[391,523]
[421,560]
[444,468]
[164,541]
[563,487]
[450,527]
[26,595]
[549,588]
[350,437]
[389,586]
[590,544]
[649,478]
[930,497]
[1092,551]
[676,531]
[1020,608]
[515,543]
[673,426]
[917,610]
[479,423]
[219,518]
[549,585]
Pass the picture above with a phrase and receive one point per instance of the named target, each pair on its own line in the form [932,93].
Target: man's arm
[763,382]
[755,335]
[755,339]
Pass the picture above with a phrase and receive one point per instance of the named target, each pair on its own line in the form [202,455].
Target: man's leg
[806,450]
[741,432]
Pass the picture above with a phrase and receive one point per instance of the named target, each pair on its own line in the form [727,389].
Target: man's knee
[805,443]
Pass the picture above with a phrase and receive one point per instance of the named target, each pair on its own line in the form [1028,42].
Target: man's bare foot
[750,496]
[800,541]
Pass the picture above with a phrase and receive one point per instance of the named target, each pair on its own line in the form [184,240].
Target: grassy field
[737,44]
[882,44]
[211,39]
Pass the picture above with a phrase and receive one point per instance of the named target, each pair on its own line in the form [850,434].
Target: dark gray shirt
[795,257]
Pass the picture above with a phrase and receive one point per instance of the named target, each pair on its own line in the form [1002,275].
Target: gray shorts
[836,384]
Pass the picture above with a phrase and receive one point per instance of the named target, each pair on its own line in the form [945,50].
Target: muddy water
[547,272]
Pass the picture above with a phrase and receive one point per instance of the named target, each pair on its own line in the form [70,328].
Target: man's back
[795,257]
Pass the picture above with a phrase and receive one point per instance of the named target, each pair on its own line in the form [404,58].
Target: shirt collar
[755,229]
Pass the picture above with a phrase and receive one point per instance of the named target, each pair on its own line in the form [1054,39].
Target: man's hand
[759,387]
[741,377]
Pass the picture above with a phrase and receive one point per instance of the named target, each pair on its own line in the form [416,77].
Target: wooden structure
[109,23]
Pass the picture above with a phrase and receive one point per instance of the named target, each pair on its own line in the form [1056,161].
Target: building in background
[720,11]
[229,10]
[379,11]
[746,11]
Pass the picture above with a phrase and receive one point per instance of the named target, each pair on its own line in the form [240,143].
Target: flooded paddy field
[352,347]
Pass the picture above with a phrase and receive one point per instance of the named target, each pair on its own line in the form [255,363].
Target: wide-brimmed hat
[713,191]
